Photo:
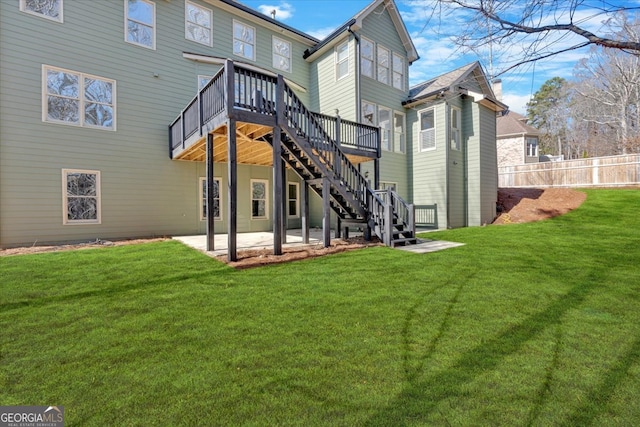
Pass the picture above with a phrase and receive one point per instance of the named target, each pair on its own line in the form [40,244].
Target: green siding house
[137,118]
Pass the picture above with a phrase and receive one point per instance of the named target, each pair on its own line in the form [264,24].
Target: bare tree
[608,89]
[540,27]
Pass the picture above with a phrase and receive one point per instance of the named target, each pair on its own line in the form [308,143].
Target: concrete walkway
[264,240]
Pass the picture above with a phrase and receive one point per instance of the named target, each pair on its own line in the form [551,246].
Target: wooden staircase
[312,144]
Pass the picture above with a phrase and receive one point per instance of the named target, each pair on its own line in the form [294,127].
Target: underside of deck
[251,148]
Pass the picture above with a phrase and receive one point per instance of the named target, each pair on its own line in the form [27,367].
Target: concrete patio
[264,240]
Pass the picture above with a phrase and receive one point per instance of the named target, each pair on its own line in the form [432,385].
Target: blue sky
[437,53]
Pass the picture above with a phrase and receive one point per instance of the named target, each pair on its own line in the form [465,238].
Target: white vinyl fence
[609,171]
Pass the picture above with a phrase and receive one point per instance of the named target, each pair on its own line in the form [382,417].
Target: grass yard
[532,324]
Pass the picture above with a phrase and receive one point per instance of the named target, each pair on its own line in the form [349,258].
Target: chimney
[497,89]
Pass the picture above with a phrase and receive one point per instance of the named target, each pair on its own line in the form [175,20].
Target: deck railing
[404,212]
[256,92]
[427,215]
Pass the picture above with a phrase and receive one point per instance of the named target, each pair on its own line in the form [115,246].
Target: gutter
[330,38]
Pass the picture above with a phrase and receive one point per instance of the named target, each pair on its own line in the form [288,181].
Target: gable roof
[355,24]
[512,123]
[254,15]
[456,81]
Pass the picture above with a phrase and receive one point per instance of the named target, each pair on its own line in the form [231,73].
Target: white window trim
[457,128]
[420,130]
[60,19]
[186,32]
[388,68]
[266,198]
[201,183]
[394,72]
[337,62]
[386,184]
[527,146]
[273,54]
[233,39]
[297,185]
[82,76]
[397,146]
[65,219]
[153,25]
[372,59]
[389,130]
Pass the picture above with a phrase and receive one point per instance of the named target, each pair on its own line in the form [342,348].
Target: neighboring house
[269,128]
[517,141]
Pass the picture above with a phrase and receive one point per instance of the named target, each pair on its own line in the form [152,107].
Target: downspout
[357,70]
[447,145]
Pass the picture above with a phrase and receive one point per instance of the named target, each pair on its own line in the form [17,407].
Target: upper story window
[342,60]
[197,25]
[398,130]
[427,130]
[456,129]
[140,23]
[398,71]
[81,196]
[244,40]
[368,111]
[49,9]
[383,65]
[281,54]
[532,147]
[384,121]
[78,99]
[366,57]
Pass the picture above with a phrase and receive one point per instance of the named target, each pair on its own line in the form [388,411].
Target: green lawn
[532,324]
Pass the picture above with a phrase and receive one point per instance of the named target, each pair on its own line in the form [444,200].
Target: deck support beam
[326,212]
[232,195]
[285,202]
[278,192]
[210,192]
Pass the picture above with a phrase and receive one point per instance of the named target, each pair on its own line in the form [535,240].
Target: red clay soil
[515,205]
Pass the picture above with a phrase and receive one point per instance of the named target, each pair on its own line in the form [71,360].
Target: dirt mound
[517,205]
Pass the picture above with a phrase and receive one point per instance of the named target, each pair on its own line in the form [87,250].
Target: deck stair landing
[318,147]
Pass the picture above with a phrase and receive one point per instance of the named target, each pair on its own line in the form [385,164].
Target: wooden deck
[251,148]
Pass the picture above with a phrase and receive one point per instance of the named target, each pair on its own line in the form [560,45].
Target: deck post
[278,191]
[285,203]
[326,212]
[232,206]
[304,206]
[210,190]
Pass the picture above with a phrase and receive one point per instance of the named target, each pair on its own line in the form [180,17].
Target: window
[244,40]
[294,205]
[384,121]
[456,137]
[398,72]
[216,199]
[366,57]
[532,147]
[49,9]
[81,200]
[78,99]
[427,130]
[383,65]
[342,60]
[197,24]
[368,113]
[203,80]
[140,23]
[259,198]
[281,54]
[398,133]
[389,185]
